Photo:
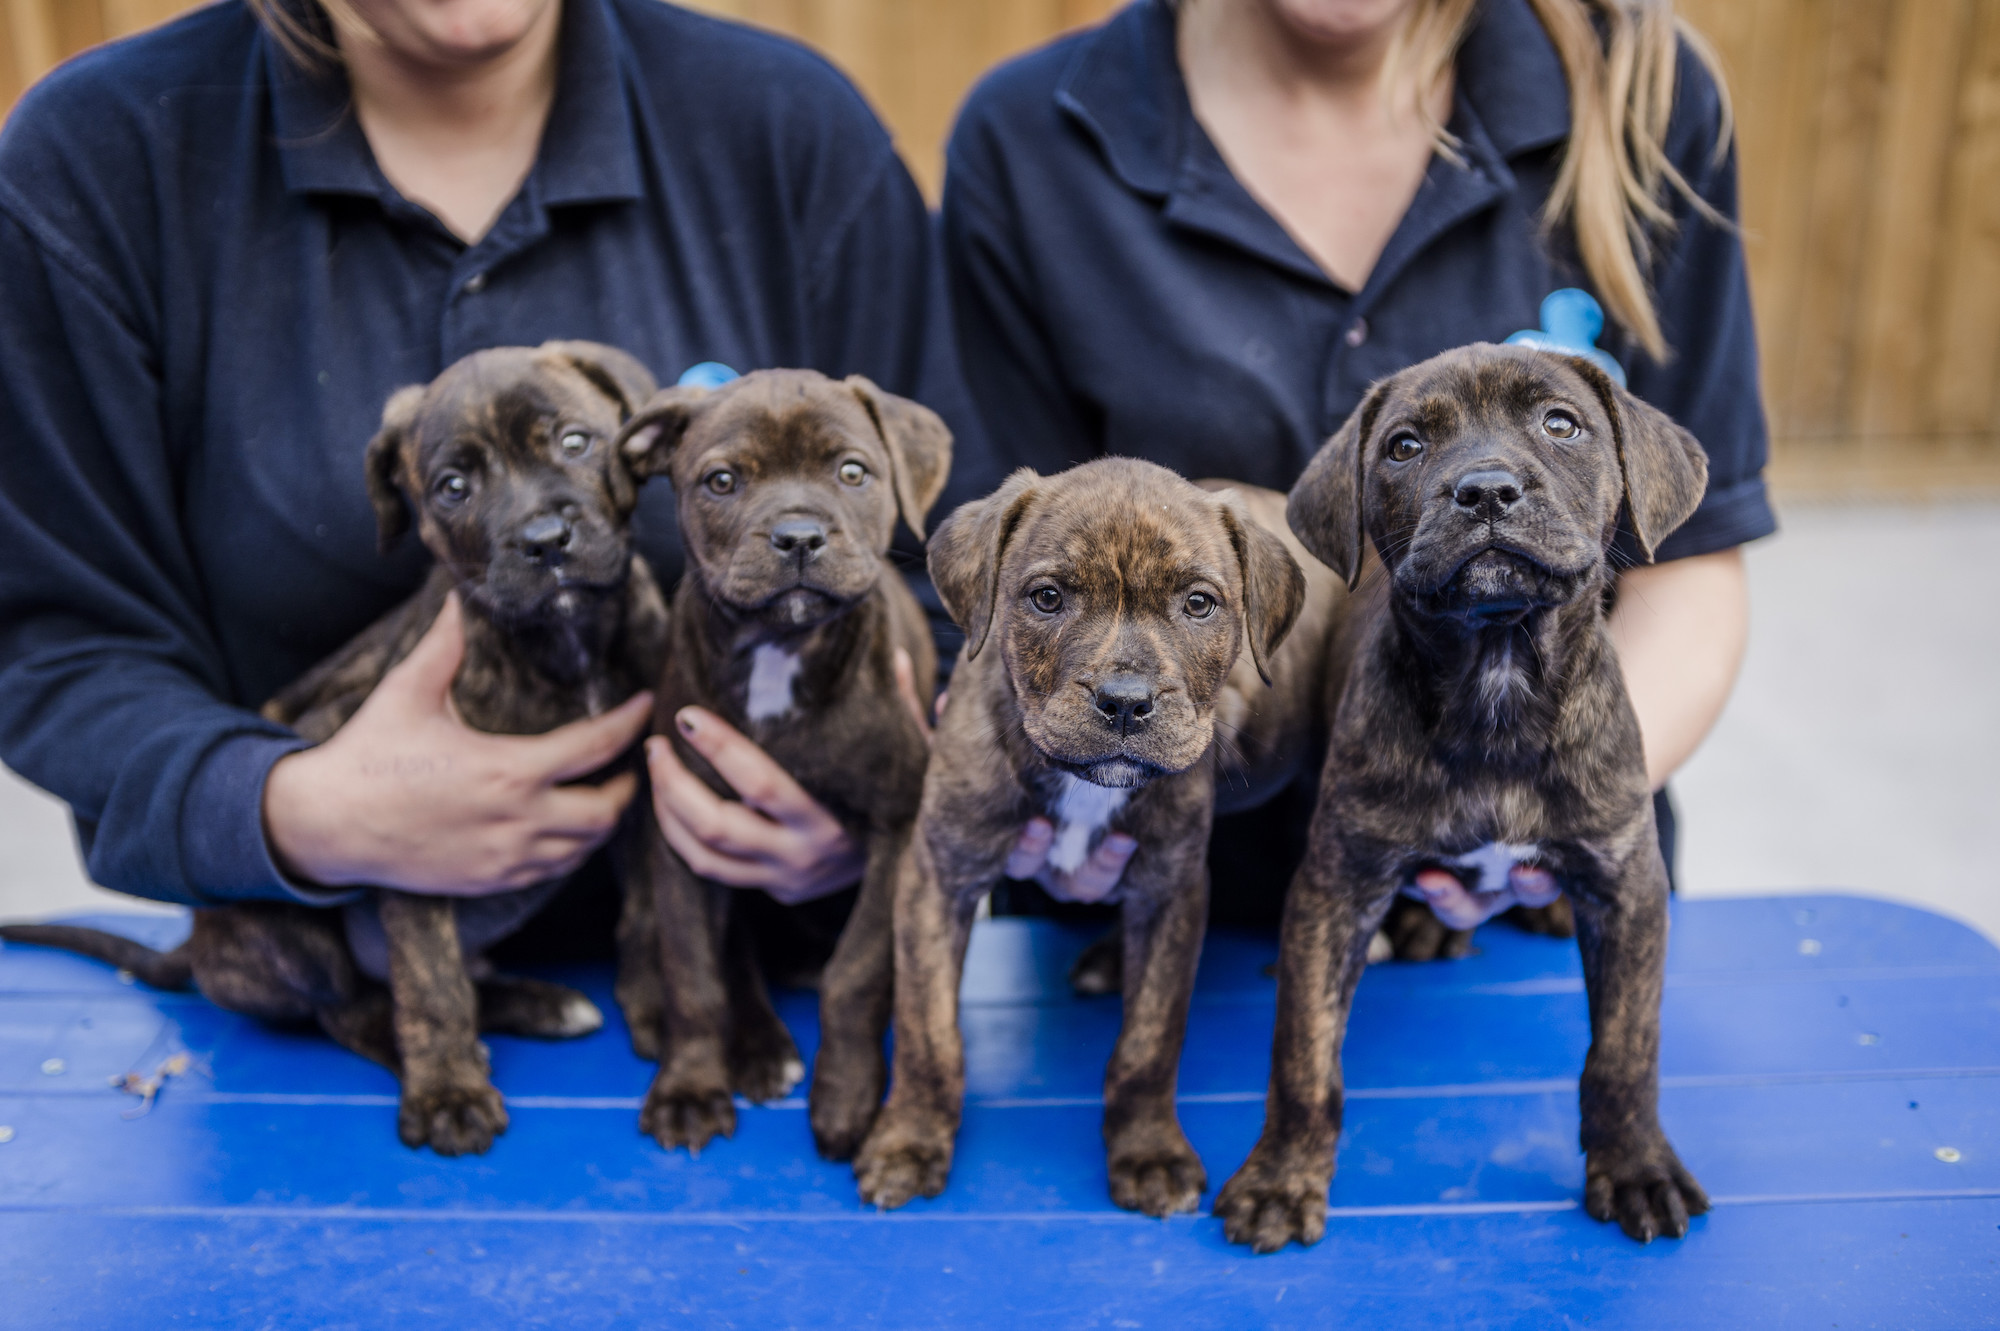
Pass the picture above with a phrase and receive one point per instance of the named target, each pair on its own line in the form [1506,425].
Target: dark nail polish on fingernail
[685,720]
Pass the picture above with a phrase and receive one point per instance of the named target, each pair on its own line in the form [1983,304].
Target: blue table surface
[1829,1069]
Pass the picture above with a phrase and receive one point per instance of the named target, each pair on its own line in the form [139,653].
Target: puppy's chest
[508,702]
[1082,813]
[768,692]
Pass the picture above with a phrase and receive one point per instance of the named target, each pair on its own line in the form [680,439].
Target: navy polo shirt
[1118,290]
[211,289]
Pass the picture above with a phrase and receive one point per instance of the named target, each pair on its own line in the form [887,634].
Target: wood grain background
[1870,143]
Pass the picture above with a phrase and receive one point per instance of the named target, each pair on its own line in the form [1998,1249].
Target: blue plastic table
[1830,1069]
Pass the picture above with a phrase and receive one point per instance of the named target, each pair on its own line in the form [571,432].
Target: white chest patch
[1083,809]
[772,670]
[1493,860]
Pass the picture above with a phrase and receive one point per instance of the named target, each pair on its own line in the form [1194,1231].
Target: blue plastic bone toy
[1571,321]
[714,374]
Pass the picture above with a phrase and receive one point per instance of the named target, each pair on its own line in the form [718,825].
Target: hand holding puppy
[407,796]
[774,837]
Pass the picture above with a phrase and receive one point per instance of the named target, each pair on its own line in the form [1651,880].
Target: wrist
[300,823]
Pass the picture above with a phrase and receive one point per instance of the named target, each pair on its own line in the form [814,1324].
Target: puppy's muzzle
[1125,701]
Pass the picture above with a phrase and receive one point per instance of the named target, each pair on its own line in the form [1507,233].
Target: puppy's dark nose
[802,537]
[545,538]
[1489,494]
[1124,701]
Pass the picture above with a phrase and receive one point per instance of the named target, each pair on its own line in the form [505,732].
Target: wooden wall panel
[1869,136]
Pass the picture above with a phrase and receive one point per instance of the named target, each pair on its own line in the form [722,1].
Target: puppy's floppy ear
[648,440]
[919,447]
[616,374]
[965,555]
[1274,586]
[1665,468]
[384,460]
[1324,509]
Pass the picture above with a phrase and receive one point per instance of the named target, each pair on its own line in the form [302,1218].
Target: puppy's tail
[161,970]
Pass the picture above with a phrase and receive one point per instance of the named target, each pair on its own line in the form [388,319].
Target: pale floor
[1859,752]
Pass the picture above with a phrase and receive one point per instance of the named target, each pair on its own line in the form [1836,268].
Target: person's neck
[1247,49]
[456,134]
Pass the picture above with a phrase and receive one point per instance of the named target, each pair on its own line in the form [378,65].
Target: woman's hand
[1458,908]
[1093,880]
[778,838]
[406,795]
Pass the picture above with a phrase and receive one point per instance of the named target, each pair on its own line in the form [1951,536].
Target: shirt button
[476,284]
[1357,333]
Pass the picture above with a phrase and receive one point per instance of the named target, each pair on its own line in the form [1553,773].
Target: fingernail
[684,718]
[1122,843]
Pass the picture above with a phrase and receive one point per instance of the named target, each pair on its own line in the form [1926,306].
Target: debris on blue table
[148,1088]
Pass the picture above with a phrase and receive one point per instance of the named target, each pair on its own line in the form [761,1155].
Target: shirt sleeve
[1709,382]
[111,683]
[1032,416]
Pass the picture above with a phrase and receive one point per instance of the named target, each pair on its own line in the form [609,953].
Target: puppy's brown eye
[720,481]
[1045,599]
[1561,425]
[574,443]
[1200,605]
[1404,447]
[852,473]
[451,488]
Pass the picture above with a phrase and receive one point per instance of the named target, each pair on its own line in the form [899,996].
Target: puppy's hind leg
[1415,934]
[764,1063]
[639,988]
[851,1070]
[517,1005]
[449,1101]
[292,963]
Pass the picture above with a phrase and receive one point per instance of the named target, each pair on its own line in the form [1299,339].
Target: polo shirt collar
[1125,89]
[588,152]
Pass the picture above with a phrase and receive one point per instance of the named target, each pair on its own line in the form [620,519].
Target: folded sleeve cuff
[225,854]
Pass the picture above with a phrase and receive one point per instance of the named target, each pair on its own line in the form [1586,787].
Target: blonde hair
[303,29]
[1618,57]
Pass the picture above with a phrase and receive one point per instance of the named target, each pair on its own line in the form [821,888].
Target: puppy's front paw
[1269,1204]
[897,1163]
[1159,1175]
[846,1097]
[452,1118]
[689,1116]
[1644,1187]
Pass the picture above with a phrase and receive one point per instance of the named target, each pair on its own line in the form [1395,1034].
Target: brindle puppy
[508,459]
[1484,723]
[1104,610]
[786,624]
